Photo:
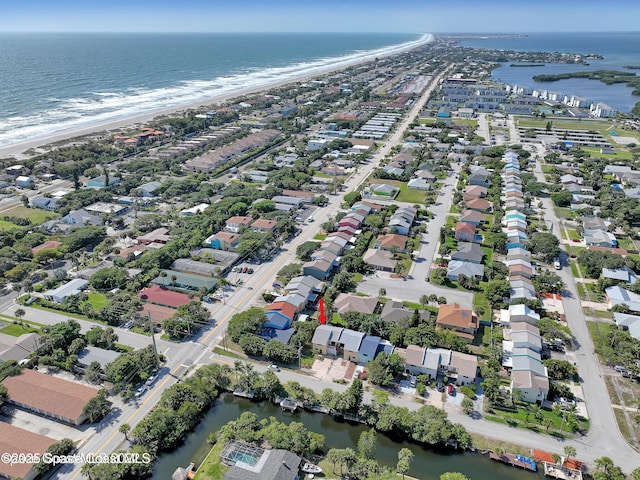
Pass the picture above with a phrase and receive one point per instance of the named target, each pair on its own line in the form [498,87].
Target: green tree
[607,470]
[569,451]
[405,458]
[19,313]
[125,428]
[453,476]
[98,407]
[367,444]
[467,405]
[545,244]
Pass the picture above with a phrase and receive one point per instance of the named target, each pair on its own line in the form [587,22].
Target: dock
[520,461]
[244,393]
[561,472]
[289,405]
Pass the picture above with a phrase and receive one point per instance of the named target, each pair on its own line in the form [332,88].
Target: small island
[632,67]
[608,77]
[527,65]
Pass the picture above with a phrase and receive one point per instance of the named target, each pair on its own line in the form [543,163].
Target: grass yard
[36,215]
[582,292]
[573,234]
[562,124]
[574,269]
[480,300]
[16,330]
[595,294]
[617,155]
[97,301]
[212,468]
[357,277]
[454,209]
[409,195]
[626,243]
[320,236]
[466,122]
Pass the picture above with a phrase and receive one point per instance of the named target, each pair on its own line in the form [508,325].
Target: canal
[428,464]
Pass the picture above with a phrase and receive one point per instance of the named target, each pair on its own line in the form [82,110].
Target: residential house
[73,287]
[391,242]
[480,178]
[187,265]
[533,388]
[617,295]
[478,204]
[320,269]
[369,348]
[383,190]
[157,236]
[465,232]
[461,320]
[280,315]
[518,253]
[262,225]
[520,267]
[419,184]
[630,323]
[185,281]
[517,314]
[18,442]
[351,341]
[50,396]
[162,296]
[455,268]
[468,252]
[24,181]
[102,182]
[599,238]
[414,360]
[234,224]
[623,274]
[473,217]
[395,311]
[463,367]
[44,203]
[274,464]
[223,241]
[346,302]
[380,260]
[325,339]
[149,189]
[307,286]
[298,300]
[81,218]
[18,348]
[521,288]
[475,191]
[195,210]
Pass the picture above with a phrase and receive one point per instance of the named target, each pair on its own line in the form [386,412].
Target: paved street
[603,436]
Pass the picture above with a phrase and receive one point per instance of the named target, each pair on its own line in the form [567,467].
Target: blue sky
[415,16]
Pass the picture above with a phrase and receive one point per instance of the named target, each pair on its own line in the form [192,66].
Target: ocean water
[52,83]
[618,49]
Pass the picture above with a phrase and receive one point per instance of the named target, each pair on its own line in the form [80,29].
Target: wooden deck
[560,472]
[515,461]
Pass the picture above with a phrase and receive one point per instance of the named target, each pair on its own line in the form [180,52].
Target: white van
[556,263]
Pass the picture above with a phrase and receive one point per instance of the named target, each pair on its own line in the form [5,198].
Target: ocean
[618,50]
[53,83]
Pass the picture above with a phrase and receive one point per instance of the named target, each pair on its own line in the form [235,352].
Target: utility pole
[153,339]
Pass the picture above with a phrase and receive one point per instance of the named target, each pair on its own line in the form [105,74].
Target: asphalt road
[603,436]
[415,285]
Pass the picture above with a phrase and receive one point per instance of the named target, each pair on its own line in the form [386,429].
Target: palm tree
[433,298]
[19,313]
[124,428]
[237,367]
[569,452]
[424,300]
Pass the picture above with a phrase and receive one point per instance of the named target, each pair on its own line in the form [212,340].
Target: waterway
[428,464]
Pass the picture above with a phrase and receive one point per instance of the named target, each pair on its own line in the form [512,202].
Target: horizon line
[311,32]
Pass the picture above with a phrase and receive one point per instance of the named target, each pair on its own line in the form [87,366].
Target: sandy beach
[17,150]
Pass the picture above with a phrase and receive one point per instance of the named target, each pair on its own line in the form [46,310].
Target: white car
[273,368]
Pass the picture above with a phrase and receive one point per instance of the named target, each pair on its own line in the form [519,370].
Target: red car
[451,389]
[244,269]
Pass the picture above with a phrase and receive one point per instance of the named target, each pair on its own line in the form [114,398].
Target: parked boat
[311,468]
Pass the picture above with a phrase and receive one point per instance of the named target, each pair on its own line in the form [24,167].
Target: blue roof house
[368,349]
[101,182]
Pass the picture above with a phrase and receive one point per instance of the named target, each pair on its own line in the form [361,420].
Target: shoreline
[17,150]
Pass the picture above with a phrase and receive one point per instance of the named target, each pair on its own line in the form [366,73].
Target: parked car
[620,368]
[556,264]
[244,269]
[249,270]
[273,368]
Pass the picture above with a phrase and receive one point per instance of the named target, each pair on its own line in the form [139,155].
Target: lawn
[454,209]
[212,468]
[356,277]
[465,122]
[582,293]
[573,234]
[409,195]
[519,419]
[16,330]
[560,124]
[626,243]
[97,301]
[36,215]
[574,269]
[319,236]
[617,155]
[480,300]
